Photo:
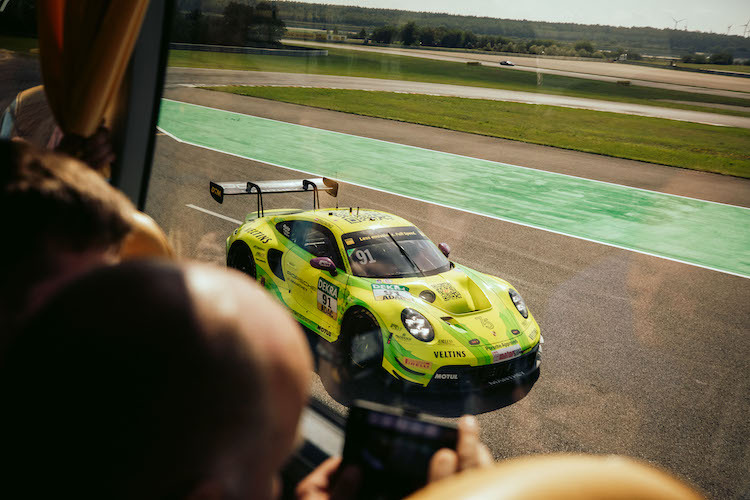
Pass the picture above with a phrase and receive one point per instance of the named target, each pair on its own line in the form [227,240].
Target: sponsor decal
[450,354]
[474,342]
[325,331]
[258,235]
[328,298]
[505,353]
[390,336]
[532,333]
[417,363]
[447,291]
[394,326]
[384,280]
[507,343]
[515,332]
[445,341]
[446,376]
[384,291]
[296,281]
[486,323]
[506,379]
[216,190]
[350,241]
[286,230]
[365,216]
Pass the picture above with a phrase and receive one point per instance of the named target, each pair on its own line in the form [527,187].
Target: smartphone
[392,448]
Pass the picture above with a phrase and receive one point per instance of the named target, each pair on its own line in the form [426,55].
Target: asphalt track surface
[177,76]
[643,357]
[604,71]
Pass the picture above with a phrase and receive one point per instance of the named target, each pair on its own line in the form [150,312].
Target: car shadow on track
[383,388]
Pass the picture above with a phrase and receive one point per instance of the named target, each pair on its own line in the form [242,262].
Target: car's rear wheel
[240,258]
[360,345]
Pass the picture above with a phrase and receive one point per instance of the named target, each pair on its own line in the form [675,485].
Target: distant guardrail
[296,52]
[692,70]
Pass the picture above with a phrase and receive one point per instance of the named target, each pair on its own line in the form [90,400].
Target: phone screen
[392,449]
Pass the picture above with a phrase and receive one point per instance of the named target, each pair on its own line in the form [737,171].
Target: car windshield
[393,252]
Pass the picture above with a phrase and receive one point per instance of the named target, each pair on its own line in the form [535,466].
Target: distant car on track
[380,294]
[506,63]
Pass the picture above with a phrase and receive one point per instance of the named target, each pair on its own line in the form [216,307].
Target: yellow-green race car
[383,296]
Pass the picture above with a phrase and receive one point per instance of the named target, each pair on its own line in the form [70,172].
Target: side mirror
[324,264]
[445,249]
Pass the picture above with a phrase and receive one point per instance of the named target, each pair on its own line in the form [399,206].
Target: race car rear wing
[221,189]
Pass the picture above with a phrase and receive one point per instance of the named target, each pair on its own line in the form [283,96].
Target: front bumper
[466,378]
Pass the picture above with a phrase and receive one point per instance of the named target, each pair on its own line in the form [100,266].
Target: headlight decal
[417,325]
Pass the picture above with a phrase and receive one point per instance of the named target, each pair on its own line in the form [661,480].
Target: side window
[286,228]
[313,238]
[320,242]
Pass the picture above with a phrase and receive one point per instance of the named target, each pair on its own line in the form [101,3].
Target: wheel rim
[365,351]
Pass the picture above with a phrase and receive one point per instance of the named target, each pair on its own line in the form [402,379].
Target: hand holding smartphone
[393,449]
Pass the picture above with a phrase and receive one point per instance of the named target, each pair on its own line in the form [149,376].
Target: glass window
[393,252]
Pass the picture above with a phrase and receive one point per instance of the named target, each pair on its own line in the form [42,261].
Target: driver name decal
[389,292]
[328,298]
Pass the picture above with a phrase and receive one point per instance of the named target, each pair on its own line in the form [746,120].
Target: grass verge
[721,150]
[385,66]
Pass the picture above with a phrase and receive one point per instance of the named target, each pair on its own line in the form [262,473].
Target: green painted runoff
[707,234]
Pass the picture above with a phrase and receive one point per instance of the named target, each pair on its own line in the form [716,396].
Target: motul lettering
[446,376]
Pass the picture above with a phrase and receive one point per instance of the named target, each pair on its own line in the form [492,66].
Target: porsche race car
[376,290]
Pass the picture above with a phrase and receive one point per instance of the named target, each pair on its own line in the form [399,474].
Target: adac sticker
[328,298]
[384,291]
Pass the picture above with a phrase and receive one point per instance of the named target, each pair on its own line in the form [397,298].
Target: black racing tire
[241,258]
[360,347]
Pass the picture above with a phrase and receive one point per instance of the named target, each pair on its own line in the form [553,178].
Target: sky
[703,15]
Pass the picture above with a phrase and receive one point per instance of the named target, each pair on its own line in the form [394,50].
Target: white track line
[209,212]
[445,206]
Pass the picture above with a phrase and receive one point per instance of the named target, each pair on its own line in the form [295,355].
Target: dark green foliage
[240,23]
[721,58]
[694,59]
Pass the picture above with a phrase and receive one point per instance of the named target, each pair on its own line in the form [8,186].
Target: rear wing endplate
[221,189]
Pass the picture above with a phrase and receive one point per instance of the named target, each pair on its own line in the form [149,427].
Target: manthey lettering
[328,298]
[364,216]
[505,353]
[449,354]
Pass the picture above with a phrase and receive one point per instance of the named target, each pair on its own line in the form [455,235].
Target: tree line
[428,36]
[639,39]
[240,23]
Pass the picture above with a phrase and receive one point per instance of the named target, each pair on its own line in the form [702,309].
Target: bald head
[149,379]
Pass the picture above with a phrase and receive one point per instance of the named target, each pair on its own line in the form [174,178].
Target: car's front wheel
[241,258]
[360,344]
